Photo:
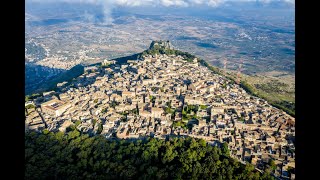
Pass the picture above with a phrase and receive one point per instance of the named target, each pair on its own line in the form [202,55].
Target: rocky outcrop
[161,44]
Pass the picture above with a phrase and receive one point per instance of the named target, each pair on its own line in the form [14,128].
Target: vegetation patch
[74,155]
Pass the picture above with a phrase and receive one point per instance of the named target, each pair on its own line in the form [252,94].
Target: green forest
[73,155]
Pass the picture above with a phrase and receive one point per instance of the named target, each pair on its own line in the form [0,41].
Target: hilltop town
[165,95]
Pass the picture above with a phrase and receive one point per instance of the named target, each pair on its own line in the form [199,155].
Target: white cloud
[133,2]
[180,3]
[215,3]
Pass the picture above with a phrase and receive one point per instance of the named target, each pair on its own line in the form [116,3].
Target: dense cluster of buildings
[164,96]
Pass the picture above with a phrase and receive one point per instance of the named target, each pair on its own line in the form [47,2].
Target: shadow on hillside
[41,78]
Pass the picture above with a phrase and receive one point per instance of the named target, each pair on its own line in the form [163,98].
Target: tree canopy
[74,155]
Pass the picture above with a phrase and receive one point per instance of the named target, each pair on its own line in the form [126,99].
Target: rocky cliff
[161,44]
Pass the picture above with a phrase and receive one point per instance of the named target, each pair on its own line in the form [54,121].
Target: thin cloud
[109,5]
[178,3]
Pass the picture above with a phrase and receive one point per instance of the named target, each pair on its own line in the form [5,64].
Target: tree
[225,150]
[73,134]
[30,106]
[46,131]
[204,107]
[152,99]
[272,164]
[113,104]
[74,155]
[100,128]
[77,123]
